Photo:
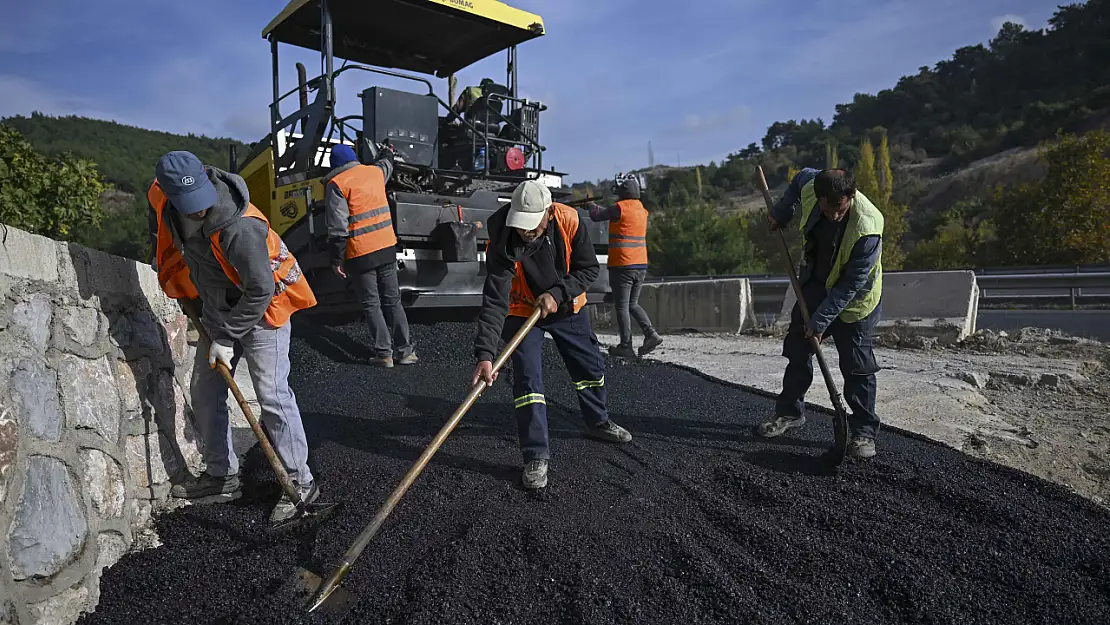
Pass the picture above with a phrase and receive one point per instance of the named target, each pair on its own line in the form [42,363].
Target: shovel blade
[338,602]
[316,513]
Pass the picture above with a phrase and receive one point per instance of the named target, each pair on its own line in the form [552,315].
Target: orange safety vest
[628,235]
[521,300]
[291,289]
[369,226]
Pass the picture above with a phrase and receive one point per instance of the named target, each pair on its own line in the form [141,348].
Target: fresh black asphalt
[692,522]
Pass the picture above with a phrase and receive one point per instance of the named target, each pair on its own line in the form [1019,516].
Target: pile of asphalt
[692,522]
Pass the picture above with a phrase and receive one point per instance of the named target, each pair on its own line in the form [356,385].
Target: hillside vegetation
[944,153]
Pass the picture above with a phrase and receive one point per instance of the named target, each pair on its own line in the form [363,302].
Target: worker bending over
[537,247]
[364,248]
[213,245]
[842,284]
[628,261]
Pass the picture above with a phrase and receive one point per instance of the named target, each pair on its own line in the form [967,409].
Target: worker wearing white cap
[538,256]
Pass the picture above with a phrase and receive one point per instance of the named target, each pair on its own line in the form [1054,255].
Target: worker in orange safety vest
[211,244]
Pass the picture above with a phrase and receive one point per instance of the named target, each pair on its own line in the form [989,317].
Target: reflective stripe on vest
[369,226]
[521,300]
[173,273]
[864,219]
[628,235]
[291,289]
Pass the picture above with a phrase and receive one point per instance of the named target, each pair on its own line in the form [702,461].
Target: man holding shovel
[841,277]
[537,247]
[214,249]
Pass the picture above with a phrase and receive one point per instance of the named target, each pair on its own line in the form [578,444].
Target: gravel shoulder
[1033,400]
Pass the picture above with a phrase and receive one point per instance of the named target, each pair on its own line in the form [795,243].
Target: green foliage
[696,240]
[832,159]
[56,197]
[126,156]
[886,176]
[867,180]
[1063,218]
[963,240]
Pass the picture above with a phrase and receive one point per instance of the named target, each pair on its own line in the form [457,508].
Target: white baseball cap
[531,199]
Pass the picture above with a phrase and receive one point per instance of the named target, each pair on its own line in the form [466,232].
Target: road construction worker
[628,261]
[538,256]
[364,249]
[841,276]
[215,253]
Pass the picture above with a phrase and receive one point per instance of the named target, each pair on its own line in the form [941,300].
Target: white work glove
[221,351]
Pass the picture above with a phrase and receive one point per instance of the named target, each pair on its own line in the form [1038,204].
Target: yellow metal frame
[492,10]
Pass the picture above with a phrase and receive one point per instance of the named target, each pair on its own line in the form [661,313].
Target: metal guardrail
[1069,284]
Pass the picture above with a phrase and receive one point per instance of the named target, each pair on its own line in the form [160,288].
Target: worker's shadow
[154,415]
[333,344]
[385,437]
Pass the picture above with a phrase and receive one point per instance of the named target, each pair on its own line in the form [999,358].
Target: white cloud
[997,22]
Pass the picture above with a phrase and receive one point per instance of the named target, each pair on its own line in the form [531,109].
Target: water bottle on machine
[480,159]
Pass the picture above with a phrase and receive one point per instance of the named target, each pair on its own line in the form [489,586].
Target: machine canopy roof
[436,37]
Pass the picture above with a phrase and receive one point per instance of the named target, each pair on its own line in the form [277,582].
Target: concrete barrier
[694,305]
[932,304]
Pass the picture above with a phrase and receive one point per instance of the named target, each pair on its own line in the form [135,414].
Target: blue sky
[697,79]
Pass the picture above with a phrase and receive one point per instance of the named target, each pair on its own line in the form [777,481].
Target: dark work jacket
[506,248]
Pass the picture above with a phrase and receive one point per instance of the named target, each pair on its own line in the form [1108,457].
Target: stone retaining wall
[94,423]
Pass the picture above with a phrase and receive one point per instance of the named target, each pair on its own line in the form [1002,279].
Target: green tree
[697,240]
[832,159]
[1063,218]
[963,240]
[867,180]
[56,197]
[886,176]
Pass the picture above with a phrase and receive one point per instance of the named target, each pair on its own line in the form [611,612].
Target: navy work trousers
[581,352]
[857,364]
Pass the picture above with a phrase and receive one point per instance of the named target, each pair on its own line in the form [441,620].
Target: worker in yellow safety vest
[842,283]
[215,252]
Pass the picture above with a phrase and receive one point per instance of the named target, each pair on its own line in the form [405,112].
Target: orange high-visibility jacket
[521,300]
[628,235]
[369,226]
[291,289]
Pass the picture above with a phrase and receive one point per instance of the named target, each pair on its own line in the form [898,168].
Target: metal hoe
[305,511]
[835,455]
[371,530]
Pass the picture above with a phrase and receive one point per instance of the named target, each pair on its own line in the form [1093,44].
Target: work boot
[534,474]
[650,343]
[622,351]
[385,362]
[609,432]
[411,359]
[285,508]
[207,485]
[861,447]
[779,426]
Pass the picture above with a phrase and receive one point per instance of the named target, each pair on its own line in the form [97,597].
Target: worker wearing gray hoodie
[209,209]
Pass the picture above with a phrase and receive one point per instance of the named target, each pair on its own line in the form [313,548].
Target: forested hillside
[994,102]
[938,143]
[125,156]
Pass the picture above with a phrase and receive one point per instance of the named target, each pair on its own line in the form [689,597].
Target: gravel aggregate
[692,522]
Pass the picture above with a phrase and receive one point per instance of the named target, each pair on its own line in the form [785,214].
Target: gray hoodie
[230,311]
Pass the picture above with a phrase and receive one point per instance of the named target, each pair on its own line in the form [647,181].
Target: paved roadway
[1093,324]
